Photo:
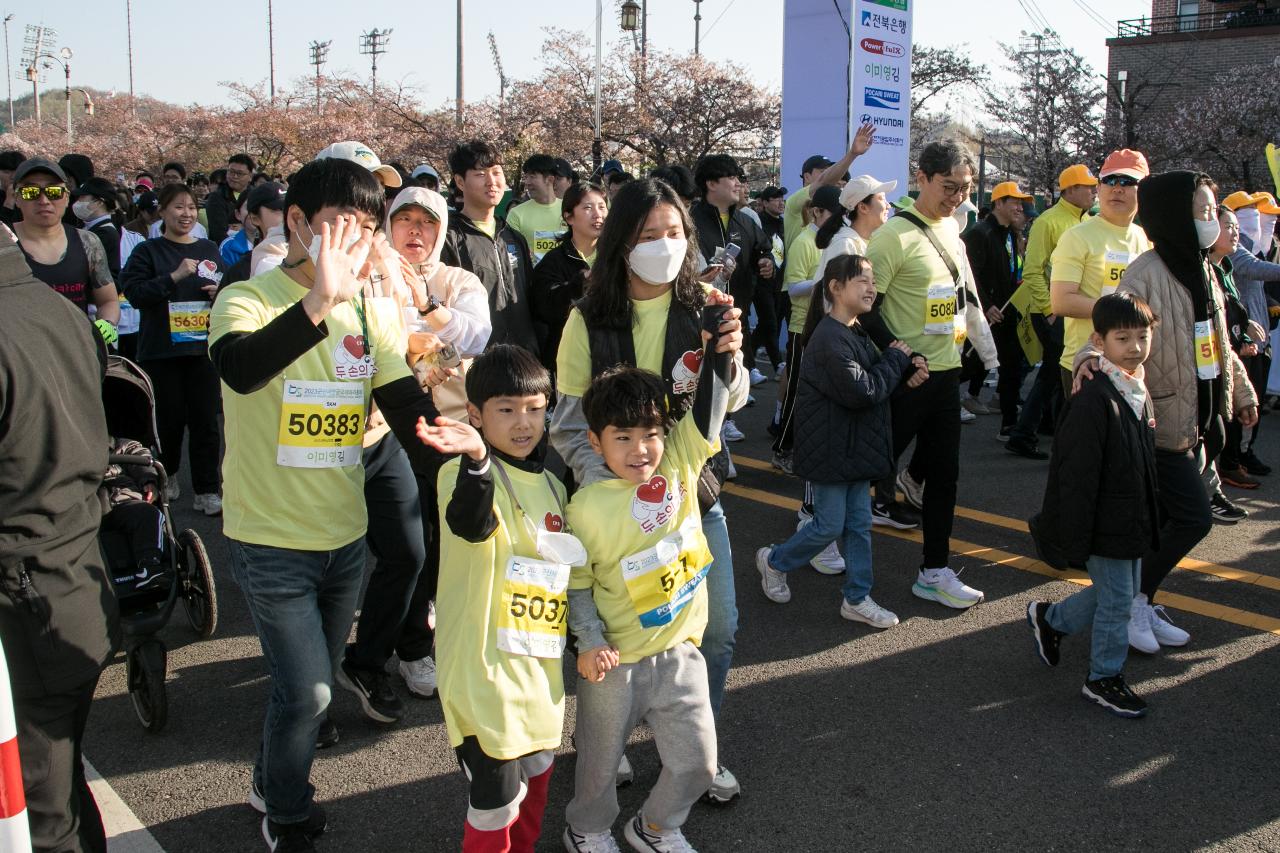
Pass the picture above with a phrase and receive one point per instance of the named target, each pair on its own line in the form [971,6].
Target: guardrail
[1205,21]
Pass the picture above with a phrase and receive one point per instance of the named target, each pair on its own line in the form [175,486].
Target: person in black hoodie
[481,243]
[1100,510]
[172,280]
[561,277]
[58,616]
[94,203]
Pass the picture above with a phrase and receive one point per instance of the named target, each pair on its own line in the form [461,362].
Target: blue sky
[176,62]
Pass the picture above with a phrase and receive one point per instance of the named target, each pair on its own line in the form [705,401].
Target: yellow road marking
[1188,564]
[1185,603]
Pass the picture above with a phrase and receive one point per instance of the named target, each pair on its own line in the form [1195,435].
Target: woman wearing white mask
[642,307]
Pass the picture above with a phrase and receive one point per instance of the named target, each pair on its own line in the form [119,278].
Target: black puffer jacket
[842,430]
[1100,499]
[502,264]
[559,280]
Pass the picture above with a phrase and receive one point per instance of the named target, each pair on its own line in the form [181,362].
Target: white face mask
[313,250]
[658,261]
[1267,230]
[83,209]
[1208,232]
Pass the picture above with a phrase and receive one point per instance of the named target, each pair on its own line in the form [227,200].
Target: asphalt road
[944,732]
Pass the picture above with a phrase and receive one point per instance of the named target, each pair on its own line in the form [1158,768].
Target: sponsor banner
[880,68]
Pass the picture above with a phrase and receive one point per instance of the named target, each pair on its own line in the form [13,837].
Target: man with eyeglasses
[70,260]
[220,205]
[1092,257]
[919,264]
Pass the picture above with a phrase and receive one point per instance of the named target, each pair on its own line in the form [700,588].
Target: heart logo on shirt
[354,344]
[654,491]
[552,523]
[692,360]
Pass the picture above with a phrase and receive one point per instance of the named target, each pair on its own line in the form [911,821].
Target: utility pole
[8,68]
[373,44]
[459,102]
[502,78]
[128,18]
[319,53]
[697,26]
[271,53]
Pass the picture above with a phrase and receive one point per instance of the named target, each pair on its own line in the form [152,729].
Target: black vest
[70,275]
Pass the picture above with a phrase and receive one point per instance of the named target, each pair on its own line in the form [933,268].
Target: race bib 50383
[321,424]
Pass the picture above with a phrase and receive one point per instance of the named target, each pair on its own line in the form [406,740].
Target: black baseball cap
[827,197]
[99,188]
[268,194]
[565,170]
[38,164]
[817,161]
[148,201]
[771,192]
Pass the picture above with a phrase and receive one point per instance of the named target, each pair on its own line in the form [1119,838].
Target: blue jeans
[722,606]
[840,511]
[1106,603]
[302,604]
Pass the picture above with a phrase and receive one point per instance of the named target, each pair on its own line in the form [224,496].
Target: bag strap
[515,499]
[942,252]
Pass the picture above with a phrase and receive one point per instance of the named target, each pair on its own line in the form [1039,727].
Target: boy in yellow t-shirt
[638,608]
[501,609]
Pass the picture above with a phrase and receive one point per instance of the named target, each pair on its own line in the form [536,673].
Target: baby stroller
[147,598]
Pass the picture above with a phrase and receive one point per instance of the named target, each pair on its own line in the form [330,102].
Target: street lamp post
[597,144]
[697,25]
[8,76]
[33,75]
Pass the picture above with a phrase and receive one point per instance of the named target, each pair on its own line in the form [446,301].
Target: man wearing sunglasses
[70,260]
[1092,257]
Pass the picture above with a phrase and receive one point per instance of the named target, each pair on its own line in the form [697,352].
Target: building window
[1188,10]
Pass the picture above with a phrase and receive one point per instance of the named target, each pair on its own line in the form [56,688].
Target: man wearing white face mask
[93,203]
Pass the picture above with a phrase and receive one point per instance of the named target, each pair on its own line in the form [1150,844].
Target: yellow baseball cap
[1266,203]
[1239,199]
[1076,176]
[1008,189]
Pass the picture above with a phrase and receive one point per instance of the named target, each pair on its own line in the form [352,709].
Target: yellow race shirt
[647,556]
[539,224]
[292,476]
[793,217]
[1096,254]
[512,703]
[802,265]
[909,272]
[649,334]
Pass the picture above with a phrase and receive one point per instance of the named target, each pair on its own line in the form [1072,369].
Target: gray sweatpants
[669,692]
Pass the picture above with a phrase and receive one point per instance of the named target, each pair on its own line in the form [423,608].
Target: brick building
[1156,62]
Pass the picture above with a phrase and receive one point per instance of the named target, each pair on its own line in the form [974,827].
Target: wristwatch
[432,304]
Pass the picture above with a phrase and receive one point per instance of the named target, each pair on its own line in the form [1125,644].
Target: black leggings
[1184,506]
[766,332]
[786,437]
[930,414]
[187,402]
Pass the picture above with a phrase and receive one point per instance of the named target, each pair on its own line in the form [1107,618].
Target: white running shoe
[911,490]
[829,562]
[647,840]
[1141,636]
[944,586]
[624,775]
[593,842]
[782,369]
[757,377]
[724,787]
[967,417]
[731,432]
[868,611]
[210,504]
[419,676]
[772,581]
[1166,633]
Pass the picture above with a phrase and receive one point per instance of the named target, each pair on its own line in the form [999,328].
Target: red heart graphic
[654,491]
[354,345]
[692,360]
[208,266]
[552,523]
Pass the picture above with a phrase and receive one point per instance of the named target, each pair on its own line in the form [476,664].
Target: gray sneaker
[772,581]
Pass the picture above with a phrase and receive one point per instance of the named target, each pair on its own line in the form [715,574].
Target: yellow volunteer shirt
[539,224]
[1096,254]
[306,508]
[793,217]
[512,703]
[619,521]
[649,334]
[905,264]
[802,265]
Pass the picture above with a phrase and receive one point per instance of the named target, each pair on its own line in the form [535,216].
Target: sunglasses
[53,193]
[1120,181]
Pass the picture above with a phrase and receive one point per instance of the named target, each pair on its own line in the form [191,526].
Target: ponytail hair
[839,269]
[828,229]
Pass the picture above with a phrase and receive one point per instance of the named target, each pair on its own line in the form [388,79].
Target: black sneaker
[373,688]
[1046,638]
[1224,511]
[1114,695]
[1026,450]
[328,734]
[315,824]
[895,515]
[1004,433]
[286,838]
[1254,465]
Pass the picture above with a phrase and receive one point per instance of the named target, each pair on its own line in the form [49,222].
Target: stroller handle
[129,459]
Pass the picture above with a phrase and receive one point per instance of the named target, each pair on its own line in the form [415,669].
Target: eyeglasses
[1120,181]
[238,173]
[53,193]
[950,189]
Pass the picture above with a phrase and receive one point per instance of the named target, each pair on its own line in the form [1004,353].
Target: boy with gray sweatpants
[639,606]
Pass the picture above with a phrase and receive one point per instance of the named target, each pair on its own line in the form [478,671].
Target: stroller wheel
[145,665]
[199,592]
